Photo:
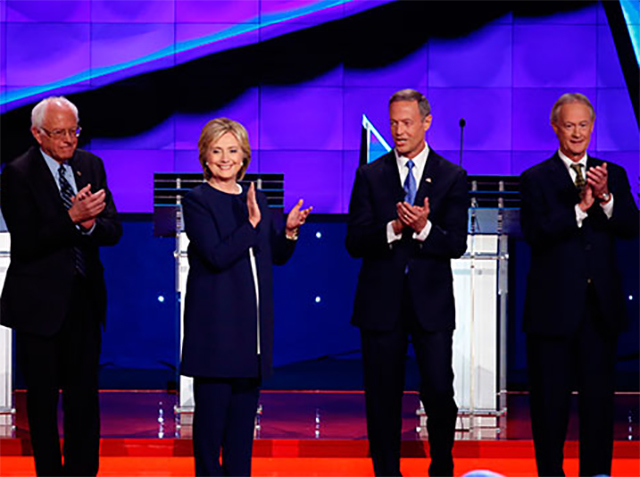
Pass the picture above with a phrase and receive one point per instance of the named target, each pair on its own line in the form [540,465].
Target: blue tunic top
[221,313]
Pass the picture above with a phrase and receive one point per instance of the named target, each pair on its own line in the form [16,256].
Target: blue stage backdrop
[147,75]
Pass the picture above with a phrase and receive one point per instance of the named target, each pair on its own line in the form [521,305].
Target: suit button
[587,247]
[589,281]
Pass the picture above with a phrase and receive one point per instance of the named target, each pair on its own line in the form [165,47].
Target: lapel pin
[79,173]
[428,179]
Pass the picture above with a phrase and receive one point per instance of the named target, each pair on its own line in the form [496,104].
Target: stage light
[318,234]
[161,298]
[318,299]
[630,297]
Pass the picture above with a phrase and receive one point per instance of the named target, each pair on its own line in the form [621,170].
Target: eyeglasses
[62,133]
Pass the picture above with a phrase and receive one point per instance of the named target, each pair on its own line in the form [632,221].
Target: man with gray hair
[407,220]
[574,207]
[59,211]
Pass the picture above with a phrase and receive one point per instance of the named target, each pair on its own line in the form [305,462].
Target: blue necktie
[66,192]
[410,187]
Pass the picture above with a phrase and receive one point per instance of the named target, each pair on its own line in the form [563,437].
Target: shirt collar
[568,162]
[420,160]
[53,164]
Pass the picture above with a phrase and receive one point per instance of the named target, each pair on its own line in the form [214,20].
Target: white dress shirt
[580,214]
[420,162]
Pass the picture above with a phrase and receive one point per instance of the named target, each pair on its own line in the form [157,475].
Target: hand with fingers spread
[252,205]
[597,179]
[296,218]
[413,216]
[86,206]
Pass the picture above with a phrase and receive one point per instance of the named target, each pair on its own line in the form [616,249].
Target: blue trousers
[225,410]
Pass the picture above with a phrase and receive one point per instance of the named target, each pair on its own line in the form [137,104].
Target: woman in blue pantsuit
[228,320]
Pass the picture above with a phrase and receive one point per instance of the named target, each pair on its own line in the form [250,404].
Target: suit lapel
[80,173]
[429,176]
[560,172]
[391,175]
[42,174]
[561,180]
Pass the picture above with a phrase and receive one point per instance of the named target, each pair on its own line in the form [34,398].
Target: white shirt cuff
[580,215]
[424,233]
[391,235]
[608,207]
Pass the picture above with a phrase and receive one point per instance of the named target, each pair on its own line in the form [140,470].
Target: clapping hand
[86,206]
[296,218]
[413,216]
[252,205]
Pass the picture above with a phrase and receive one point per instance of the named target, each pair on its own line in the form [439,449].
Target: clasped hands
[596,186]
[86,206]
[413,216]
[295,219]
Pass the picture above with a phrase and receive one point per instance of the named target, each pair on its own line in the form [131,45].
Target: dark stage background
[147,75]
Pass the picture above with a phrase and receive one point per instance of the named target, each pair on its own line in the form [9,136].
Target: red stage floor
[302,432]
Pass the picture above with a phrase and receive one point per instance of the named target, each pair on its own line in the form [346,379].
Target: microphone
[462,124]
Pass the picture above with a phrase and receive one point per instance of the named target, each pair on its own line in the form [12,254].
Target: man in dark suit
[59,211]
[407,220]
[575,307]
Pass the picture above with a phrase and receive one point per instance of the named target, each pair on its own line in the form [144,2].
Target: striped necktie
[410,187]
[66,192]
[579,181]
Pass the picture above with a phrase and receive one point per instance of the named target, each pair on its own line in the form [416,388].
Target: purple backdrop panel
[601,15]
[350,163]
[133,11]
[531,124]
[3,11]
[217,11]
[583,16]
[630,161]
[481,59]
[66,52]
[609,72]
[408,72]
[130,176]
[616,125]
[374,103]
[48,11]
[554,56]
[244,109]
[3,53]
[161,137]
[356,6]
[314,176]
[195,40]
[481,162]
[521,161]
[301,118]
[487,112]
[114,44]
[187,161]
[303,12]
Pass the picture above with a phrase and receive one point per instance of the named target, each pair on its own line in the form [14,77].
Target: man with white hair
[574,208]
[59,211]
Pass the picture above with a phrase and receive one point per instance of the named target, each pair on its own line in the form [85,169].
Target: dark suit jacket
[220,322]
[565,258]
[376,191]
[37,291]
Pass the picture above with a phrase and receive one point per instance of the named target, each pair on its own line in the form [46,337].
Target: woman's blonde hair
[212,132]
